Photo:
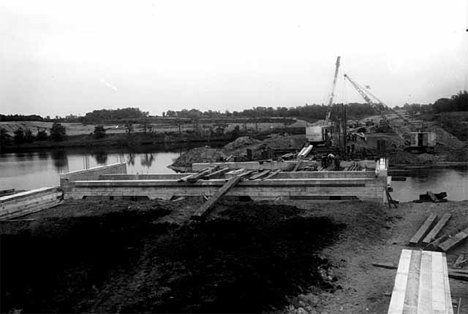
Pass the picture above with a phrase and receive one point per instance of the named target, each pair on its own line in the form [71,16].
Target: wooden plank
[425,284]
[260,175]
[424,230]
[195,176]
[448,297]
[217,173]
[271,175]
[437,228]
[298,164]
[397,302]
[434,244]
[438,284]
[204,210]
[412,286]
[432,196]
[453,241]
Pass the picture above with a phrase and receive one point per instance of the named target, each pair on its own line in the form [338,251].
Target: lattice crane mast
[332,95]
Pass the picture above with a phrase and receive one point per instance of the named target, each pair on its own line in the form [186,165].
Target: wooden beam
[205,209]
[436,230]
[260,175]
[432,196]
[434,244]
[424,230]
[298,164]
[245,174]
[453,241]
[195,176]
[271,175]
[217,173]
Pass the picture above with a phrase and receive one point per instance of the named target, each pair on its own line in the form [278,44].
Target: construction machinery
[321,134]
[417,142]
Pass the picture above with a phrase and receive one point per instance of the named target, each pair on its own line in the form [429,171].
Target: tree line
[458,102]
[57,133]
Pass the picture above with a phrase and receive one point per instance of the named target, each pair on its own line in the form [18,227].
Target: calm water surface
[454,181]
[24,171]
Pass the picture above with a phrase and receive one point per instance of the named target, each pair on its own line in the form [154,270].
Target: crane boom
[362,92]
[332,95]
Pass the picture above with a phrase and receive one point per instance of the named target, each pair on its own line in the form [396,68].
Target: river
[30,170]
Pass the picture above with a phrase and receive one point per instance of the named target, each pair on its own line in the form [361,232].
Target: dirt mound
[241,142]
[458,155]
[199,154]
[249,258]
[445,138]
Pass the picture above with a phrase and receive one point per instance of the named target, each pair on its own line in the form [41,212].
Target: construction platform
[259,183]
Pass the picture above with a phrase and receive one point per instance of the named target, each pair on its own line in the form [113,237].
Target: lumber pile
[432,197]
[436,230]
[428,232]
[421,284]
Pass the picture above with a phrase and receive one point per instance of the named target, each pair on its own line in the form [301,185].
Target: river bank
[146,256]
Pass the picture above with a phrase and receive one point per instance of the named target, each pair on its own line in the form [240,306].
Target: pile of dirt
[249,258]
[199,154]
[403,158]
[445,138]
[458,155]
[241,142]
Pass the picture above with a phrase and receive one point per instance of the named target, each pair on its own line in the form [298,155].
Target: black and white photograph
[211,156]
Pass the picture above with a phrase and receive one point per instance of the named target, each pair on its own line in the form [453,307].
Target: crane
[321,132]
[363,93]
[332,95]
[419,141]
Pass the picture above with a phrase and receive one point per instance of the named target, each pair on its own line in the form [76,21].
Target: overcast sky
[72,57]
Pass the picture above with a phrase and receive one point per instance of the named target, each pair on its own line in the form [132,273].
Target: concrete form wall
[106,181]
[29,202]
[89,174]
[363,188]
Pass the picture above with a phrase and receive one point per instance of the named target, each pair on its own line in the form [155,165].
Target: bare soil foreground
[124,256]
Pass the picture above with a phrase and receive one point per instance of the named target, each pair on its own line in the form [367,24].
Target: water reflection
[147,160]
[131,159]
[101,157]
[60,160]
[43,155]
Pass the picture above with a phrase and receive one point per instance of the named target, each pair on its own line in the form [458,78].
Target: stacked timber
[430,229]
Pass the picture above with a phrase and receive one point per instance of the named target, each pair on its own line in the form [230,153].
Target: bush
[19,136]
[58,132]
[99,131]
[42,135]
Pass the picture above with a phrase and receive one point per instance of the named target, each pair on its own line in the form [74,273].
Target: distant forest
[458,102]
